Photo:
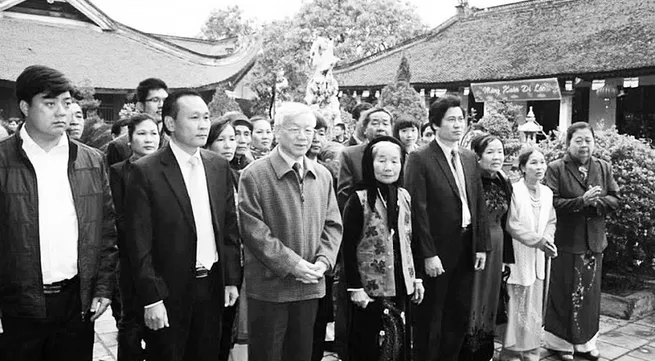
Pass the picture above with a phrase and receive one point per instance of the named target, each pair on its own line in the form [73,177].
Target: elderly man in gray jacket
[291,227]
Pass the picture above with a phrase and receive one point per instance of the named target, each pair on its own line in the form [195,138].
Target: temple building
[91,49]
[570,60]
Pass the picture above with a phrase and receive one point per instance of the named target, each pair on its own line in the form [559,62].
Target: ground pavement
[619,340]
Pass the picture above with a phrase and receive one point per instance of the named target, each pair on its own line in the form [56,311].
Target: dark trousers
[281,331]
[342,313]
[442,318]
[130,323]
[227,331]
[323,317]
[194,332]
[64,335]
[130,333]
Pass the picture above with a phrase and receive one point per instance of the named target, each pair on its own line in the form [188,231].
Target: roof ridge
[519,5]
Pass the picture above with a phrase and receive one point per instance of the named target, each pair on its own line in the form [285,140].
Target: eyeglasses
[295,131]
[156,100]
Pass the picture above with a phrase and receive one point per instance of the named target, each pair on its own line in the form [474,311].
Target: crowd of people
[201,232]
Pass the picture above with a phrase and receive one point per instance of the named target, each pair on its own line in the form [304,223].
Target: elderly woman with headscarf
[378,260]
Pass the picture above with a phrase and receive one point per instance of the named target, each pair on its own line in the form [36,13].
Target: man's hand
[419,292]
[433,266]
[360,298]
[480,260]
[98,307]
[306,272]
[231,295]
[320,267]
[155,317]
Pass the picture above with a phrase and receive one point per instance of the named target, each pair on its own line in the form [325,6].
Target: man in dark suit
[450,231]
[182,237]
[376,122]
[150,96]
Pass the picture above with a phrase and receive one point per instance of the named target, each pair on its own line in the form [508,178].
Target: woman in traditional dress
[262,137]
[584,193]
[479,341]
[222,140]
[378,259]
[531,222]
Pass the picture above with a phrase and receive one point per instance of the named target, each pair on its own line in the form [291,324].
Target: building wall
[8,103]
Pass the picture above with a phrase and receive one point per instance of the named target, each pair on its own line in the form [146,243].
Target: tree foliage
[358,28]
[221,103]
[226,23]
[501,120]
[400,98]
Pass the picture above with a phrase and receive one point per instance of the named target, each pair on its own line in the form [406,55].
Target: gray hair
[290,110]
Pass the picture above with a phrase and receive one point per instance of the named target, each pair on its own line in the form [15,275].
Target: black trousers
[194,332]
[323,317]
[281,331]
[64,335]
[130,323]
[442,318]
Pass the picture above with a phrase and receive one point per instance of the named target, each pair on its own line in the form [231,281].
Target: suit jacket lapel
[445,168]
[468,168]
[594,174]
[573,169]
[212,173]
[173,175]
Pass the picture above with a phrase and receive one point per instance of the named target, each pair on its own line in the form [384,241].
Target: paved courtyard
[619,340]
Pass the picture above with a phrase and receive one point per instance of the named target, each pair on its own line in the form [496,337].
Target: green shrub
[631,229]
[498,124]
[400,98]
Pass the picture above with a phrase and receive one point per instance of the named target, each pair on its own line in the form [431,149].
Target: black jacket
[21,279]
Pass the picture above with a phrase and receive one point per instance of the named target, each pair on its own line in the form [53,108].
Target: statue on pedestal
[322,88]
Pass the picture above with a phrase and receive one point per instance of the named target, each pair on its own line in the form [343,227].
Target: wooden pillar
[565,111]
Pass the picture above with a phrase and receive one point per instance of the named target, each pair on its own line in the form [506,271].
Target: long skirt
[573,308]
[479,341]
[524,319]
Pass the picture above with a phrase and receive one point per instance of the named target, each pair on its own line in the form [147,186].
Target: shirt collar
[282,163]
[29,143]
[447,150]
[181,156]
[290,161]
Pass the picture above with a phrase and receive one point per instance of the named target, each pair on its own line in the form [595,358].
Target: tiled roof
[206,47]
[529,39]
[113,60]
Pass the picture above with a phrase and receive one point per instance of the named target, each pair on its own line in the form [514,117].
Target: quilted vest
[375,250]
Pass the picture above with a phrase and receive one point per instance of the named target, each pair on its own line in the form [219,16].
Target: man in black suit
[182,237]
[450,231]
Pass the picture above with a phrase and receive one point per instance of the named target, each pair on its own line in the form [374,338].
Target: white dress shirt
[206,241]
[58,227]
[466,211]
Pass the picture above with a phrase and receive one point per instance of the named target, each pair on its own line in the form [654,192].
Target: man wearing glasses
[150,96]
[291,227]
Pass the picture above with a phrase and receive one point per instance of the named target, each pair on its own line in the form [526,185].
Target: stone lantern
[530,128]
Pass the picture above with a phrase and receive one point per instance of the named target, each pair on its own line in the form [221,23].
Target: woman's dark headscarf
[369,183]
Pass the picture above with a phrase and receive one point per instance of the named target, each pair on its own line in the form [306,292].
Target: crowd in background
[201,232]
